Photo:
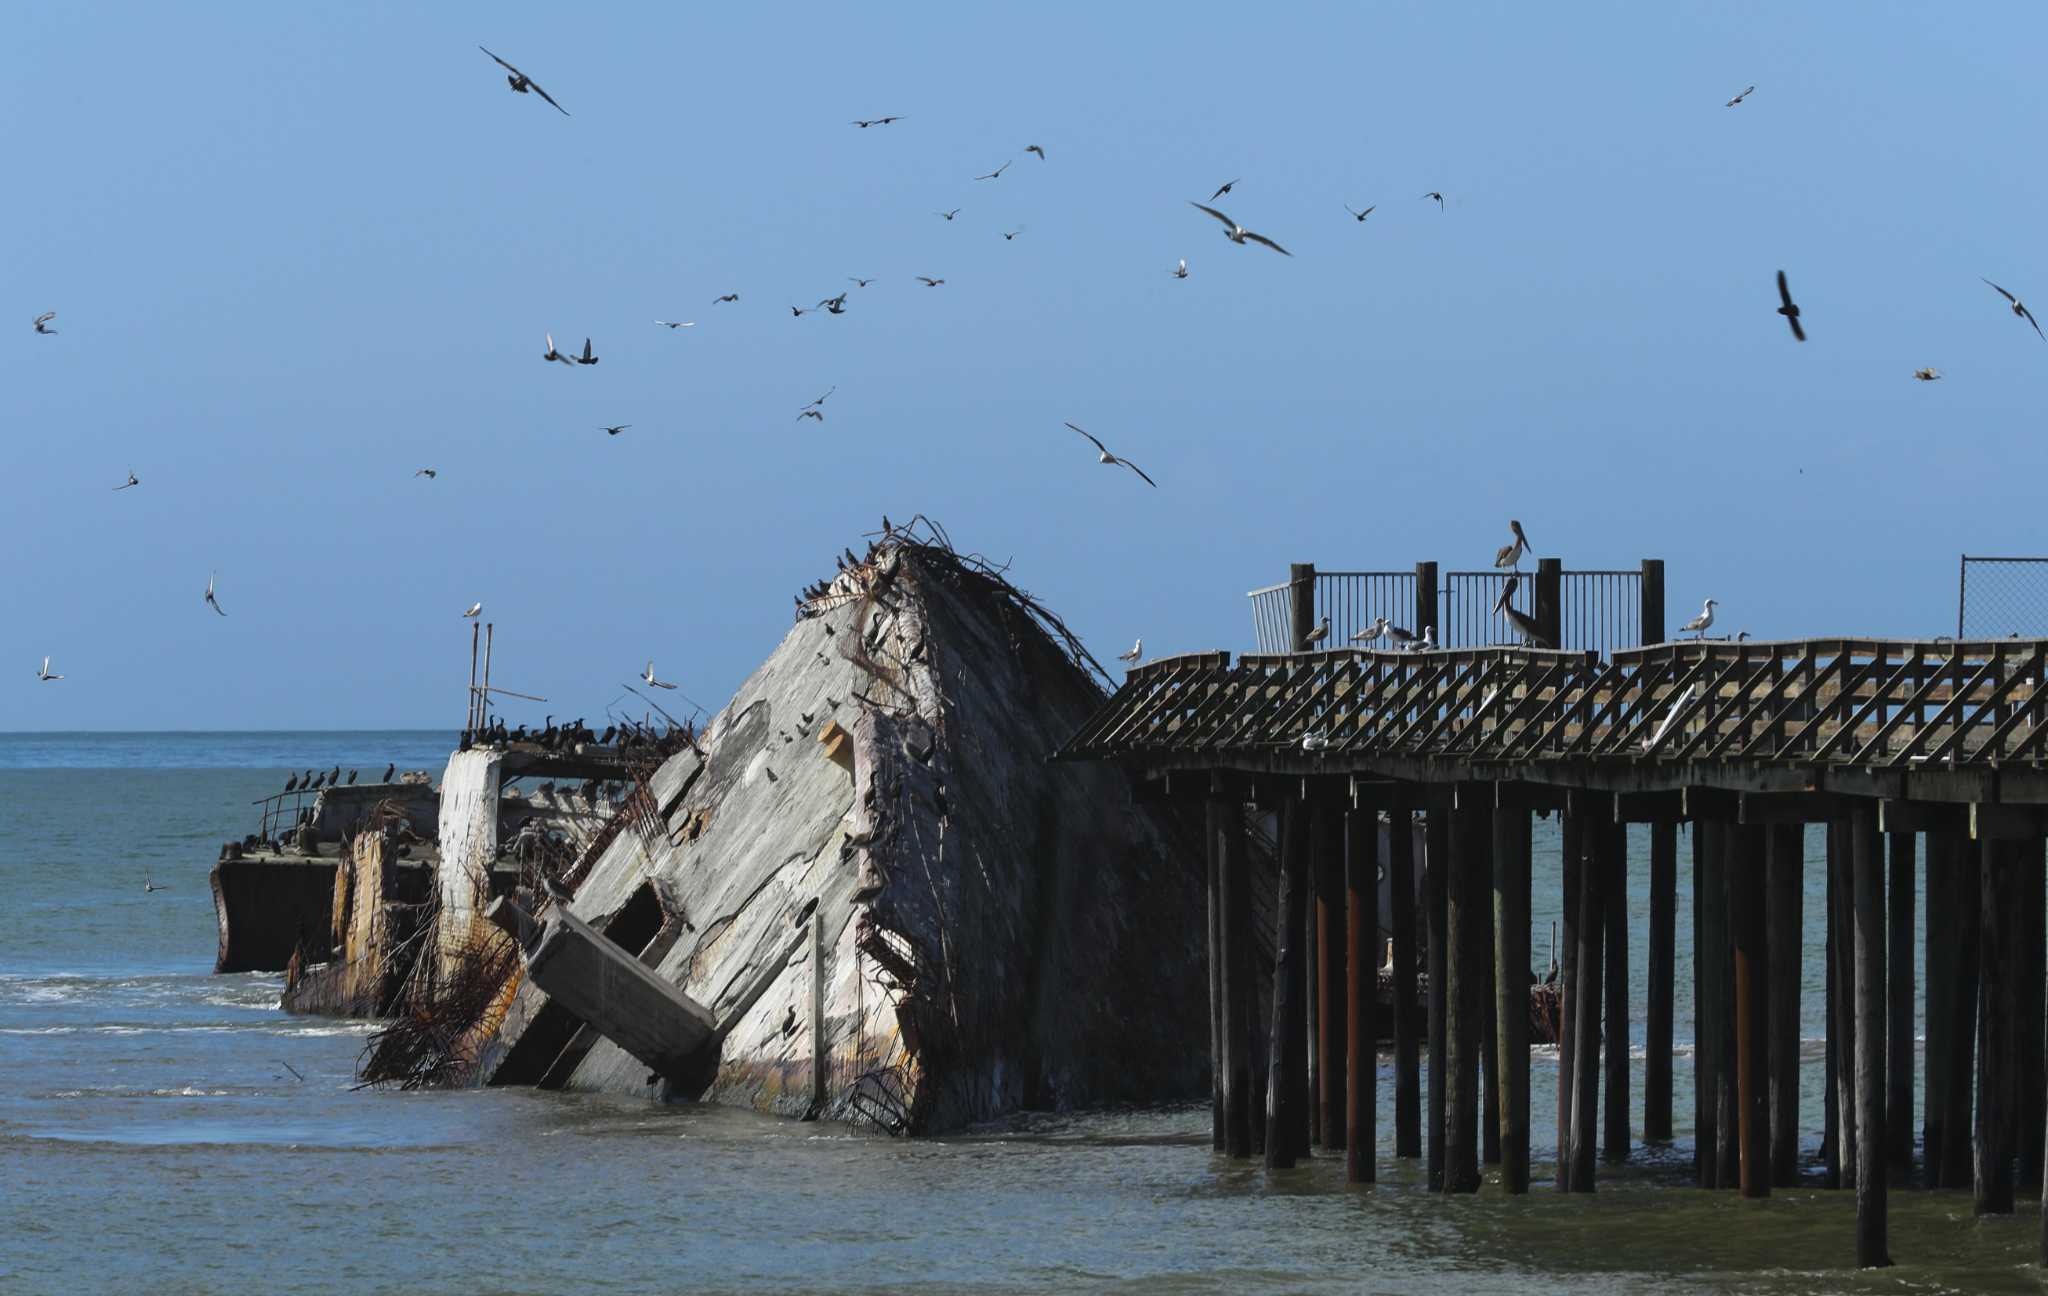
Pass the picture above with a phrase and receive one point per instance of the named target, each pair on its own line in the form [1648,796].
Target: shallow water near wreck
[155,1137]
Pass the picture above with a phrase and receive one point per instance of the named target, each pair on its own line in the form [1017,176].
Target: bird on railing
[1137,651]
[352,778]
[1700,624]
[1510,555]
[1372,633]
[334,777]
[1316,636]
[291,784]
[318,782]
[389,770]
[1428,643]
[1524,624]
[1403,639]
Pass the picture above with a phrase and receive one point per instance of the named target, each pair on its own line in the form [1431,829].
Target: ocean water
[166,1130]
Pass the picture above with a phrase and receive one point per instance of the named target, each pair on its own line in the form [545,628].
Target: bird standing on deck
[1315,637]
[2019,308]
[1137,651]
[521,83]
[211,601]
[1524,624]
[1790,309]
[1108,458]
[1509,556]
[1700,624]
[1372,633]
[1404,640]
[44,674]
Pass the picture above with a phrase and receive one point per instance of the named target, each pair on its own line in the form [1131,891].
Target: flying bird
[1510,555]
[1439,198]
[2019,308]
[995,174]
[1739,98]
[1033,148]
[552,354]
[615,429]
[43,322]
[1700,624]
[1360,216]
[1317,635]
[1109,458]
[835,305]
[648,676]
[948,215]
[44,674]
[211,601]
[1927,375]
[428,473]
[798,312]
[521,83]
[729,297]
[1223,188]
[1790,310]
[1137,651]
[1181,271]
[877,121]
[858,282]
[474,609]
[1012,234]
[929,283]
[587,357]
[133,480]
[1237,233]
[676,324]
[811,414]
[821,399]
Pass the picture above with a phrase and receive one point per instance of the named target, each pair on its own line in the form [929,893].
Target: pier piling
[1212,842]
[1511,897]
[1872,1239]
[1287,1056]
[1614,906]
[1964,869]
[1784,938]
[1661,990]
[1996,1043]
[1326,822]
[1466,908]
[1436,877]
[1709,945]
[1898,1108]
[1571,871]
[1842,974]
[1407,1045]
[1361,994]
[1585,988]
[1746,888]
[1237,980]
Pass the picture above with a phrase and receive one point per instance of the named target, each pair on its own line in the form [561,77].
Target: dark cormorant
[352,778]
[291,783]
[389,770]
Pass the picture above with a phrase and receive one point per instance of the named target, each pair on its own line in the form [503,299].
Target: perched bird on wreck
[334,777]
[2019,308]
[211,601]
[1316,636]
[389,770]
[1790,308]
[1510,555]
[319,781]
[291,784]
[588,357]
[474,610]
[648,677]
[133,480]
[1237,233]
[352,778]
[552,354]
[521,83]
[44,674]
[1137,651]
[1700,624]
[1372,633]
[1108,458]
[43,323]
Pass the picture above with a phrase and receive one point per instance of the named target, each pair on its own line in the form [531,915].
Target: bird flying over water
[521,83]
[615,429]
[858,282]
[474,610]
[211,601]
[821,400]
[1739,98]
[676,324]
[588,357]
[1360,216]
[877,121]
[798,312]
[1927,375]
[2019,308]
[1790,310]
[1223,188]
[1439,198]
[929,282]
[995,174]
[729,297]
[1237,233]
[133,480]
[44,674]
[1109,458]
[1137,651]
[948,215]
[1012,234]
[1510,555]
[811,414]
[1181,271]
[552,354]
[1033,148]
[648,677]
[43,322]
[427,473]
[1700,624]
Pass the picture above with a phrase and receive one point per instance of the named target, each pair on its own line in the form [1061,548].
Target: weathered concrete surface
[469,844]
[996,932]
[265,908]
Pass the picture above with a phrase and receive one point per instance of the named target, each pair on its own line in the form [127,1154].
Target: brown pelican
[521,83]
[1510,555]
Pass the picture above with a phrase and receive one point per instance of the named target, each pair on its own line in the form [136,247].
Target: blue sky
[300,252]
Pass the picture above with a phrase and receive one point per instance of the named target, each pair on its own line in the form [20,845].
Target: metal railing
[2000,597]
[1601,610]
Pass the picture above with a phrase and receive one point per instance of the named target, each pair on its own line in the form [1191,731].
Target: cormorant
[352,778]
[292,783]
[389,770]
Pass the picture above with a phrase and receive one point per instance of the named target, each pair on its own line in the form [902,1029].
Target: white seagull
[133,480]
[1181,271]
[1404,640]
[211,601]
[1510,555]
[1109,458]
[44,674]
[676,324]
[648,676]
[1237,233]
[43,323]
[1137,651]
[474,609]
[1317,635]
[1372,633]
[1701,623]
[1739,98]
[1428,643]
[552,354]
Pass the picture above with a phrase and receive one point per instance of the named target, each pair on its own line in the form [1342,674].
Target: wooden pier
[1889,743]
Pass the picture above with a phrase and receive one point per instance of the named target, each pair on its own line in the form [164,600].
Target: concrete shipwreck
[861,893]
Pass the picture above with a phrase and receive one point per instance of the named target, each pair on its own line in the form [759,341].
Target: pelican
[552,354]
[1524,624]
[43,323]
[1109,458]
[1181,271]
[44,674]
[521,83]
[648,676]
[1137,651]
[133,480]
[1372,633]
[1316,636]
[1510,555]
[211,601]
[1701,623]
[1237,233]
[2019,308]
[474,609]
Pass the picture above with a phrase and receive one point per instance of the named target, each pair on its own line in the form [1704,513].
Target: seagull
[648,676]
[2019,307]
[1314,742]
[1439,198]
[521,83]
[1701,623]
[428,473]
[798,312]
[586,357]
[1109,458]
[1360,216]
[474,610]
[43,323]
[1012,234]
[1790,310]
[676,324]
[552,354]
[1428,643]
[1137,651]
[1372,633]
[995,174]
[1402,639]
[149,886]
[1739,98]
[948,215]
[1317,635]
[615,430]
[877,121]
[729,297]
[929,283]
[1927,375]
[133,480]
[1237,233]
[1181,271]
[44,674]
[1033,148]
[811,414]
[821,399]
[211,601]
[1223,189]
[1510,555]
[835,305]
[858,282]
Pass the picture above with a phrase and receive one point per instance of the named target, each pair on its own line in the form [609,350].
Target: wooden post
[1996,1052]
[1511,993]
[1361,993]
[1301,600]
[1407,1044]
[1548,599]
[1727,1070]
[1489,1025]
[1709,952]
[1287,1056]
[1585,989]
[1212,839]
[1746,876]
[2027,957]
[1312,1001]
[1614,902]
[1653,613]
[1965,871]
[1572,870]
[1436,877]
[1872,1245]
[1842,926]
[1332,1012]
[1898,1107]
[1940,943]
[1425,598]
[471,724]
[1467,948]
[1662,989]
[1784,941]
[1238,978]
